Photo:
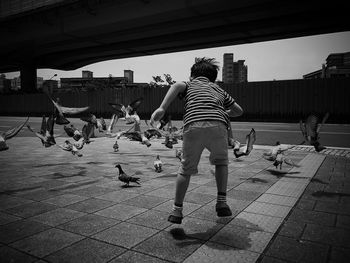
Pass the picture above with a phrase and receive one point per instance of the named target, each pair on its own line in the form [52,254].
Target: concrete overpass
[66,35]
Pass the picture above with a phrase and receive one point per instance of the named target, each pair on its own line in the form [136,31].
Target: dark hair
[205,67]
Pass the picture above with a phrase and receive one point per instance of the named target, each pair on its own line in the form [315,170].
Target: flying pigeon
[88,132]
[69,147]
[90,118]
[101,124]
[46,131]
[277,149]
[127,111]
[311,129]
[10,134]
[123,177]
[250,140]
[116,146]
[73,132]
[158,164]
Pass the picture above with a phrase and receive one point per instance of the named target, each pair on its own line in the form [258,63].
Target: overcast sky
[279,60]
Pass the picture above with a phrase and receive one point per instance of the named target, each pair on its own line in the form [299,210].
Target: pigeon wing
[14,131]
[290,162]
[323,122]
[311,126]
[69,130]
[135,104]
[250,140]
[303,129]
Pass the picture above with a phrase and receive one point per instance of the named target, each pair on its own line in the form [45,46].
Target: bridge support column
[28,79]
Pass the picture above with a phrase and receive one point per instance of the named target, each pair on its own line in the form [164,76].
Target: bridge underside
[72,34]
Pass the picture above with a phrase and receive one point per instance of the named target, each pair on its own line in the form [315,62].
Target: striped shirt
[205,100]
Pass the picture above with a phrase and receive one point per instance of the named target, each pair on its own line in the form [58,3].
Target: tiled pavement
[55,207]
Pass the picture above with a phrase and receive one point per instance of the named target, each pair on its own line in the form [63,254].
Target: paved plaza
[56,207]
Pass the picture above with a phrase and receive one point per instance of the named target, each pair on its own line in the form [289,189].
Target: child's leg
[221,174]
[182,182]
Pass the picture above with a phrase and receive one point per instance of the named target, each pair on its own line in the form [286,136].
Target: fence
[287,100]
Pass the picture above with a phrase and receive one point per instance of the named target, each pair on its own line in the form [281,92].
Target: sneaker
[222,210]
[175,219]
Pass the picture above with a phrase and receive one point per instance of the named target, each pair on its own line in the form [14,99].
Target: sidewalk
[55,207]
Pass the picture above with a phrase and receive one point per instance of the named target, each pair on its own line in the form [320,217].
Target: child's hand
[157,115]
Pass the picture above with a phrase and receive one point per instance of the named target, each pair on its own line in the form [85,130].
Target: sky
[271,60]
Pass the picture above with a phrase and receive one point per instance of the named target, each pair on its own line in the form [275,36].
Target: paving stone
[92,191]
[20,229]
[31,209]
[151,218]
[195,228]
[132,257]
[198,198]
[188,208]
[327,235]
[292,229]
[89,224]
[90,205]
[121,211]
[328,207]
[268,209]
[64,200]
[243,195]
[209,190]
[6,218]
[252,187]
[305,204]
[267,259]
[312,217]
[211,252]
[145,201]
[242,238]
[46,242]
[339,255]
[57,216]
[125,234]
[293,250]
[277,199]
[343,221]
[169,247]
[40,195]
[10,255]
[117,196]
[8,201]
[258,222]
[85,251]
[287,189]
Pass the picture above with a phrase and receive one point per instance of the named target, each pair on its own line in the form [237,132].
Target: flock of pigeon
[310,130]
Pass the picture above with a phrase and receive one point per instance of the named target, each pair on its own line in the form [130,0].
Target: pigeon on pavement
[158,164]
[116,146]
[69,147]
[123,177]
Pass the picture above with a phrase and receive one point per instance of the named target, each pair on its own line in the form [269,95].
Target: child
[206,122]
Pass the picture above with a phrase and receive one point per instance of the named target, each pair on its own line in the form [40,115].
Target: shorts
[197,136]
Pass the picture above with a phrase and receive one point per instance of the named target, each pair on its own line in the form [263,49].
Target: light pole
[53,76]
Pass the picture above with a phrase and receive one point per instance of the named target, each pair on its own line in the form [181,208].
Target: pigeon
[101,124]
[280,159]
[80,144]
[179,154]
[250,140]
[73,132]
[46,131]
[277,149]
[152,132]
[88,132]
[127,111]
[91,118]
[311,129]
[68,146]
[116,146]
[158,164]
[123,177]
[10,134]
[137,135]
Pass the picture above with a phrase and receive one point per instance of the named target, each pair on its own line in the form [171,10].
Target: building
[5,84]
[337,66]
[129,74]
[234,72]
[16,83]
[89,82]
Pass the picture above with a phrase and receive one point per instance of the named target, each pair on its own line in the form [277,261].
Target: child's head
[205,67]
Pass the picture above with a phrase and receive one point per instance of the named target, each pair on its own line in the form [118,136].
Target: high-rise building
[234,72]
[129,74]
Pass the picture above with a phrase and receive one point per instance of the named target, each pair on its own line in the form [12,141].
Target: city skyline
[271,60]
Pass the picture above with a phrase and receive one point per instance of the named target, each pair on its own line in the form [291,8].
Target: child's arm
[172,93]
[235,110]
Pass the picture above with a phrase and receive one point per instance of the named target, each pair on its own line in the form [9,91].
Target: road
[332,135]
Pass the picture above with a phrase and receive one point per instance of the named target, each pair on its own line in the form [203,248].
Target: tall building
[129,74]
[234,72]
[337,65]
